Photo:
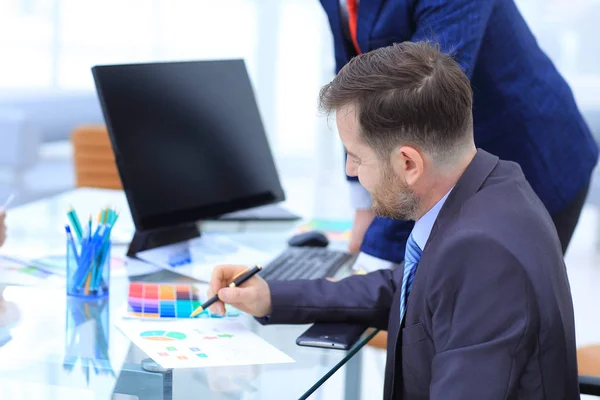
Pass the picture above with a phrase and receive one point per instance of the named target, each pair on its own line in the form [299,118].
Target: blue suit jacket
[523,110]
[489,315]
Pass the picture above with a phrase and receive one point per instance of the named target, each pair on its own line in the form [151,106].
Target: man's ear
[408,162]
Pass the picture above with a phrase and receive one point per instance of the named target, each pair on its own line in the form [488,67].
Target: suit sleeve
[481,309]
[362,299]
[457,25]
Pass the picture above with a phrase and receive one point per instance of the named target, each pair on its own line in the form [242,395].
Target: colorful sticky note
[166,300]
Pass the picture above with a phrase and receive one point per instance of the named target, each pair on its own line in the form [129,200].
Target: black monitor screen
[188,140]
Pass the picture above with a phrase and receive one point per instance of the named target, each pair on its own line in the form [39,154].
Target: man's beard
[393,198]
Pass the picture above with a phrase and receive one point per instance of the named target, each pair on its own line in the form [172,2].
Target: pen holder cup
[88,269]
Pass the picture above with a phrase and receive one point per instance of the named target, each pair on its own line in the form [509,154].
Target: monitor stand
[146,240]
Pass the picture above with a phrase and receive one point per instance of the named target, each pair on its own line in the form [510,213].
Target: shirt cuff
[360,199]
[366,263]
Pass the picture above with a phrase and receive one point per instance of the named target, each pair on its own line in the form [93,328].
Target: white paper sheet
[201,343]
[55,264]
[22,273]
[197,258]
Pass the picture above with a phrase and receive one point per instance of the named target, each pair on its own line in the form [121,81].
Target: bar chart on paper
[200,343]
[166,300]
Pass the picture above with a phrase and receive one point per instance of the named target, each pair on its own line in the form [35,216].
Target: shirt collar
[424,225]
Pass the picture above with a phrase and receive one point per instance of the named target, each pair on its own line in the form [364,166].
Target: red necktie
[352,18]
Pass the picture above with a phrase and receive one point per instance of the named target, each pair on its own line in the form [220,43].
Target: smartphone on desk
[331,335]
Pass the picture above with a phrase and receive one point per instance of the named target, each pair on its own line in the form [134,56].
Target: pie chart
[163,336]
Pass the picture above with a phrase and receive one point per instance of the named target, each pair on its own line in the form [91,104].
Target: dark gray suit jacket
[490,313]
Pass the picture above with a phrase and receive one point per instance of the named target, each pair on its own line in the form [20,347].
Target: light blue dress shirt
[424,225]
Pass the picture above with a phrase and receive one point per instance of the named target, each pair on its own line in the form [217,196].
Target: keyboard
[305,263]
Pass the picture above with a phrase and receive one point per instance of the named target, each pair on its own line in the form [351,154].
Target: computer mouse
[309,239]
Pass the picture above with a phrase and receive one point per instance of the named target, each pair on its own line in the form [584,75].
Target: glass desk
[55,347]
[73,347]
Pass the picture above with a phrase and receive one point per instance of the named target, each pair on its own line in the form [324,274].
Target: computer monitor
[188,141]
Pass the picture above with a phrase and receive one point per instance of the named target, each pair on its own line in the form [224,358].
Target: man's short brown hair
[406,94]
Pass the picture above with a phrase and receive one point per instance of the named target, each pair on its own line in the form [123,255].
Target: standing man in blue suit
[523,109]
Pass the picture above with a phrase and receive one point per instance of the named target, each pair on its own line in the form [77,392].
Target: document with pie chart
[200,343]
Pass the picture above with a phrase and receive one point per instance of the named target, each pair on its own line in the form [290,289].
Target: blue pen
[85,238]
[72,215]
[87,265]
[84,264]
[97,268]
[89,229]
[91,255]
[71,242]
[101,261]
[104,242]
[91,241]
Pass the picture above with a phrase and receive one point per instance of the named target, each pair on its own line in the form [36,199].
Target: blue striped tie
[412,256]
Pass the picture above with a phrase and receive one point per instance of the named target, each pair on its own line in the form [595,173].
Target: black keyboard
[305,263]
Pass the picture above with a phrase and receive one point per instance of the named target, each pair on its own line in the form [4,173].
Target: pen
[90,254]
[237,281]
[8,201]
[72,215]
[103,243]
[72,243]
